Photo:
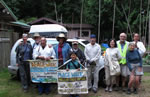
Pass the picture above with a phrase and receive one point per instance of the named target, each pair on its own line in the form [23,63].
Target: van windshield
[85,42]
[48,34]
[52,42]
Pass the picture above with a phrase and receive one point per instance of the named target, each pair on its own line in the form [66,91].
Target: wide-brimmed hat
[61,35]
[36,35]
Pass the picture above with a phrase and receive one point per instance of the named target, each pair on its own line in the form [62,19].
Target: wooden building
[73,29]
[10,31]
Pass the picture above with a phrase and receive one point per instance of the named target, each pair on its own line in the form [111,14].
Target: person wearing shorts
[134,63]
[122,45]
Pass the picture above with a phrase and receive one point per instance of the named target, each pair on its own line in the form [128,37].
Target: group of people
[119,61]
[123,60]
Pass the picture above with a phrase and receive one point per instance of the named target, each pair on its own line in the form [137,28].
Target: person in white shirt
[92,53]
[138,44]
[43,52]
[37,39]
[112,67]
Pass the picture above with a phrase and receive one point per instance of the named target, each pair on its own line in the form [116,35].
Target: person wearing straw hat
[62,49]
[37,39]
[24,53]
[92,53]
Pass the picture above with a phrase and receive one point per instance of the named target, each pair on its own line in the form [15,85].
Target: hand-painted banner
[72,82]
[43,71]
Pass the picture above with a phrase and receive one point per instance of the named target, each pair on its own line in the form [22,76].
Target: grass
[12,87]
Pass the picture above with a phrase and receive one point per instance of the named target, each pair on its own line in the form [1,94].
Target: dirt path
[143,92]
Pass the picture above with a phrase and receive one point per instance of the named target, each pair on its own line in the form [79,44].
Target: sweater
[133,57]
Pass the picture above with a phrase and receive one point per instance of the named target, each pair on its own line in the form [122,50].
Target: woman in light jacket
[112,67]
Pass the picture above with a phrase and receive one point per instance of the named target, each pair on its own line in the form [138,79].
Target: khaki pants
[93,74]
[110,80]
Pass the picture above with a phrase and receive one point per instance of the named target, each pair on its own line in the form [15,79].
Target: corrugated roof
[21,24]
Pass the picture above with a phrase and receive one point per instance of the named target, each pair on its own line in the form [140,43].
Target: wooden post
[113,28]
[81,18]
[99,22]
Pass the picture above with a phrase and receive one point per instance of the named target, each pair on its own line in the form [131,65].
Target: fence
[7,39]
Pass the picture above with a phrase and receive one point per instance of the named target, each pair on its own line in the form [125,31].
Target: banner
[43,71]
[72,82]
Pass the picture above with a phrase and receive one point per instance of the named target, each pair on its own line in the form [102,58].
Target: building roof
[21,24]
[43,20]
[77,26]
[8,9]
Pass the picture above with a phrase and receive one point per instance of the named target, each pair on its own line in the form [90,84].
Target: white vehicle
[48,30]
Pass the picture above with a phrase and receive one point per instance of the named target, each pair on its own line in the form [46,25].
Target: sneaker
[25,90]
[107,88]
[129,91]
[116,88]
[135,91]
[94,90]
[89,89]
[124,89]
[47,93]
[70,95]
[110,89]
[40,93]
[77,96]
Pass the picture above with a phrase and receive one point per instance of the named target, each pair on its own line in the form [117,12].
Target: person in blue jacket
[73,64]
[134,63]
[62,49]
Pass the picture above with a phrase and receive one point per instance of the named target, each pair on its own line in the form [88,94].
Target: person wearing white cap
[92,53]
[24,53]
[78,52]
[62,49]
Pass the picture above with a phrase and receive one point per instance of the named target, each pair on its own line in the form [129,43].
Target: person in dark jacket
[134,63]
[24,53]
[78,52]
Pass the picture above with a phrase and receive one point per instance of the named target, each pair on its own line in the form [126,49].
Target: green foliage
[146,60]
[70,11]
